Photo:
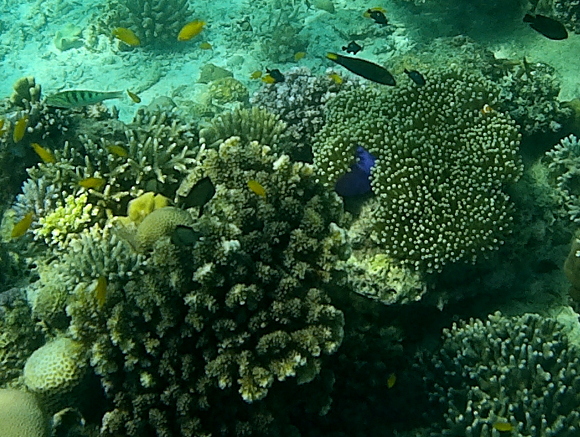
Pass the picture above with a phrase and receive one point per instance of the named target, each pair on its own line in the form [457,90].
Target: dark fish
[378,16]
[356,182]
[352,47]
[184,236]
[366,69]
[79,98]
[416,77]
[276,75]
[200,194]
[547,26]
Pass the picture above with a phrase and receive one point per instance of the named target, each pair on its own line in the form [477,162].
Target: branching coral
[563,162]
[19,336]
[522,371]
[299,102]
[442,165]
[195,343]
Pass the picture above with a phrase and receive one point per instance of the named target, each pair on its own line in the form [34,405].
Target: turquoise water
[289,218]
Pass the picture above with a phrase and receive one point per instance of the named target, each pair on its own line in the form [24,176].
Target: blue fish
[356,182]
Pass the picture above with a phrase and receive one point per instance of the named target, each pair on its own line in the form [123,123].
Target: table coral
[442,165]
[517,370]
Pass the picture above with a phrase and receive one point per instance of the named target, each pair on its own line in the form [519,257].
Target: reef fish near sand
[547,26]
[79,98]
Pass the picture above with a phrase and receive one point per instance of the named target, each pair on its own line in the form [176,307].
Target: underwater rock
[210,72]
[68,37]
[325,5]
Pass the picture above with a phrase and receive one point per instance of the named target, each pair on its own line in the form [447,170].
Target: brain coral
[21,416]
[55,368]
[442,164]
[518,370]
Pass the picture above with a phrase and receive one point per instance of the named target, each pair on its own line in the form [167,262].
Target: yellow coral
[144,205]
[56,227]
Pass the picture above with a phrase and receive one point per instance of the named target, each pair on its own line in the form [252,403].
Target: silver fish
[79,98]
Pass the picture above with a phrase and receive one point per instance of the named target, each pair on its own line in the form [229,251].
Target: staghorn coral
[442,165]
[517,370]
[299,102]
[155,23]
[26,92]
[158,150]
[195,344]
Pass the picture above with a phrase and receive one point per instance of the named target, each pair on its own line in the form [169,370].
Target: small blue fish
[356,182]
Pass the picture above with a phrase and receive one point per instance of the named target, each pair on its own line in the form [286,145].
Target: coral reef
[563,162]
[55,369]
[156,24]
[521,371]
[19,336]
[227,90]
[299,102]
[254,124]
[442,165]
[195,343]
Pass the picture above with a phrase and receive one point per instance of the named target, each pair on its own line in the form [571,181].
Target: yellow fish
[127,36]
[101,291]
[268,79]
[20,129]
[2,130]
[257,188]
[205,46]
[134,97]
[503,426]
[190,30]
[256,75]
[22,226]
[91,182]
[392,380]
[299,55]
[118,150]
[44,154]
[335,77]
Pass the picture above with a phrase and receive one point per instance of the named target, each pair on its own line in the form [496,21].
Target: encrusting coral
[443,161]
[519,371]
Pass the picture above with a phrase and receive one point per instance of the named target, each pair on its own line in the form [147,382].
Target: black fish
[416,77]
[276,75]
[184,236]
[547,26]
[378,16]
[200,194]
[366,69]
[352,47]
